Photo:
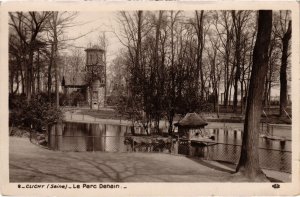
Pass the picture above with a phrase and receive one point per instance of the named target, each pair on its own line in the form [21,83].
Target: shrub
[205,107]
[63,99]
[211,98]
[76,97]
[36,114]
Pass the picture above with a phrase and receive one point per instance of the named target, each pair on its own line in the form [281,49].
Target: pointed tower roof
[94,48]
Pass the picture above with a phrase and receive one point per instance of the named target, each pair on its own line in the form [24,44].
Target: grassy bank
[19,132]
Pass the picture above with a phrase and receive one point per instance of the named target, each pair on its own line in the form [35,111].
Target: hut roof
[191,120]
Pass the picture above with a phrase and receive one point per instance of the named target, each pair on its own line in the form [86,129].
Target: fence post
[93,143]
[272,130]
[49,137]
[132,144]
[207,152]
[171,145]
[56,137]
[105,140]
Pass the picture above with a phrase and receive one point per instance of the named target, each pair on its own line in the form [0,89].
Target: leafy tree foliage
[37,114]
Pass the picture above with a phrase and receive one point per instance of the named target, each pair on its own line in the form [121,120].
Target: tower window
[95,95]
[91,59]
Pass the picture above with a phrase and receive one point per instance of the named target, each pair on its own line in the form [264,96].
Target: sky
[95,24]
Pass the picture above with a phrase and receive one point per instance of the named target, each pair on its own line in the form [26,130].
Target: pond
[71,136]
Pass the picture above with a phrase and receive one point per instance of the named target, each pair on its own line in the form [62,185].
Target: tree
[284,61]
[134,29]
[35,39]
[57,23]
[104,44]
[240,19]
[15,65]
[224,30]
[164,64]
[274,65]
[170,101]
[215,69]
[249,160]
[200,46]
[28,28]
[246,66]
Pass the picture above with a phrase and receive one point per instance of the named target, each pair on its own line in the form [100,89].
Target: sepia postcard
[149,98]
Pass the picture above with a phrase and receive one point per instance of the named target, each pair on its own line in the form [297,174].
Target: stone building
[95,63]
[95,90]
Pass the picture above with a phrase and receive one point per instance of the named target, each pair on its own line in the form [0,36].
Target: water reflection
[87,137]
[111,138]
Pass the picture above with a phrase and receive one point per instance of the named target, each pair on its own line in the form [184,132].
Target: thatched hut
[192,124]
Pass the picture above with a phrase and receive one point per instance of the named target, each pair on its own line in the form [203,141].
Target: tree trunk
[29,75]
[17,82]
[229,96]
[237,27]
[171,99]
[11,81]
[55,57]
[249,160]
[200,46]
[229,37]
[22,81]
[105,78]
[242,95]
[283,75]
[38,72]
[265,92]
[237,75]
[32,76]
[49,72]
[269,94]
[170,119]
[235,92]
[91,96]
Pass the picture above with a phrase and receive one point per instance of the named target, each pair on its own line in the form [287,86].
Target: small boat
[203,142]
[272,137]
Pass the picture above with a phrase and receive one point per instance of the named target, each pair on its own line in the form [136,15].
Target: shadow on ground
[30,163]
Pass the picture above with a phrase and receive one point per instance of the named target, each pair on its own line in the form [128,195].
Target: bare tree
[57,24]
[199,24]
[246,63]
[240,19]
[283,30]
[134,29]
[171,81]
[274,66]
[28,27]
[224,28]
[215,69]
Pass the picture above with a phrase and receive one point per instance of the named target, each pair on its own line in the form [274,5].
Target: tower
[95,64]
